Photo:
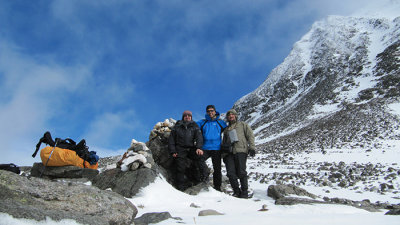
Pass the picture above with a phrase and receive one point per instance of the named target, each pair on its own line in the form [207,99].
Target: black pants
[181,165]
[236,169]
[216,162]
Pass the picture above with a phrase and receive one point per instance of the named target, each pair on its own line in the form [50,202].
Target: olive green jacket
[245,136]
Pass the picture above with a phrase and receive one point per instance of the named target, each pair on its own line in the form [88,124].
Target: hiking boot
[244,194]
[236,194]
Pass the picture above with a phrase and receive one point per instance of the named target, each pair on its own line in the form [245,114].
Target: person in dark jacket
[185,141]
[212,128]
[238,142]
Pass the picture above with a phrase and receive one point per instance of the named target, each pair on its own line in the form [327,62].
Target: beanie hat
[231,111]
[210,107]
[186,112]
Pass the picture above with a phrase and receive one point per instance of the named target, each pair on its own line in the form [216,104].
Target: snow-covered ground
[160,196]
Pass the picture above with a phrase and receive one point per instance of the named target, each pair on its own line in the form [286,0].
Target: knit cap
[186,112]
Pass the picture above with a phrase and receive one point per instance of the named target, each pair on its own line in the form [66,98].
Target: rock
[52,172]
[126,183]
[194,205]
[194,190]
[152,218]
[209,212]
[35,198]
[137,156]
[263,208]
[296,200]
[280,191]
[158,144]
[393,212]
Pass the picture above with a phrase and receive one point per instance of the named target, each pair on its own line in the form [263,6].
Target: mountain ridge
[336,83]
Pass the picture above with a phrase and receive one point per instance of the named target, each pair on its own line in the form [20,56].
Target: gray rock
[296,200]
[195,190]
[35,198]
[155,217]
[209,212]
[280,191]
[393,212]
[52,172]
[126,183]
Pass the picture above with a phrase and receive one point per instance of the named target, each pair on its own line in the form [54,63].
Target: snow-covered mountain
[338,88]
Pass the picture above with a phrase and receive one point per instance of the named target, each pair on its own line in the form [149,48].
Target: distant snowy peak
[380,9]
[342,37]
[342,64]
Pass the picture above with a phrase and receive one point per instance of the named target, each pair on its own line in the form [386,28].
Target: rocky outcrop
[280,191]
[53,172]
[35,198]
[158,144]
[135,170]
[126,183]
[156,217]
[293,195]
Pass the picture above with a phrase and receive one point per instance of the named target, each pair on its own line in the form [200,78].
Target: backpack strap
[205,121]
[46,139]
[222,129]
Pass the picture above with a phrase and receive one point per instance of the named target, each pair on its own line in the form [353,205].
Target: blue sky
[108,71]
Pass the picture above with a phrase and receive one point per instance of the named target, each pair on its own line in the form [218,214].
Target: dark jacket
[185,136]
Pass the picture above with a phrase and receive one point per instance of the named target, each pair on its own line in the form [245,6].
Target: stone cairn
[137,156]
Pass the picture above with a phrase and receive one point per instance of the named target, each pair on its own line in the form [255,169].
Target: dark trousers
[236,169]
[216,162]
[181,165]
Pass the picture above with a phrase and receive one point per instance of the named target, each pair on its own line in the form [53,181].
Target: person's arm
[250,139]
[171,143]
[199,141]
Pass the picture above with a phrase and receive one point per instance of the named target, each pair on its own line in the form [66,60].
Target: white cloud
[109,126]
[30,92]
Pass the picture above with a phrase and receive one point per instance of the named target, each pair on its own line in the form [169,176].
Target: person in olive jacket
[185,141]
[237,144]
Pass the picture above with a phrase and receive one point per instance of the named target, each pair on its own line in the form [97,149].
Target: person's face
[187,117]
[231,117]
[211,112]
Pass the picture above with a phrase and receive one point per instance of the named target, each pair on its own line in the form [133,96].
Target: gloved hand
[252,152]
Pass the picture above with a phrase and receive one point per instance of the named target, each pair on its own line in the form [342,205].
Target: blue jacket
[212,132]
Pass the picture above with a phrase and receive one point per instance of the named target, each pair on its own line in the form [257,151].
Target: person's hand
[252,152]
[174,155]
[199,152]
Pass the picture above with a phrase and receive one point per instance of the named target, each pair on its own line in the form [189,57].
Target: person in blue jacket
[212,128]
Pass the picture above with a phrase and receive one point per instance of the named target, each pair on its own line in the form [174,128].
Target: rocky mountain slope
[336,89]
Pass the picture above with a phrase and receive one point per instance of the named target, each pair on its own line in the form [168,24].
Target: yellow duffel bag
[63,157]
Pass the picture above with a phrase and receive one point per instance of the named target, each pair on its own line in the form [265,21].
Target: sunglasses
[210,110]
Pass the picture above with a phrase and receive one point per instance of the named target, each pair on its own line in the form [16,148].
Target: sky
[108,71]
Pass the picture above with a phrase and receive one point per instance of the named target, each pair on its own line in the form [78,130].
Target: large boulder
[53,172]
[154,217]
[126,183]
[158,144]
[280,191]
[135,170]
[35,198]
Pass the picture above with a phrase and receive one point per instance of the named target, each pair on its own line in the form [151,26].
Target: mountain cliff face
[336,89]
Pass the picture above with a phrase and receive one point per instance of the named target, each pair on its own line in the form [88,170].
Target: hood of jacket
[209,118]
